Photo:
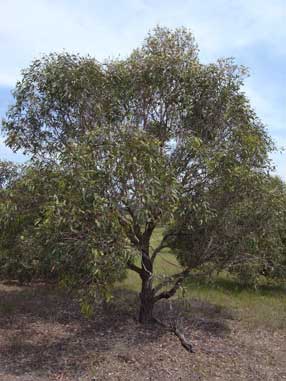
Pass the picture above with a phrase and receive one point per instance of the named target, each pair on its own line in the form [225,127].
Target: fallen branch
[185,343]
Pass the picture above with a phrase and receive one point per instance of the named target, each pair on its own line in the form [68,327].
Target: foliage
[51,229]
[8,173]
[20,208]
[128,145]
[264,237]
[247,237]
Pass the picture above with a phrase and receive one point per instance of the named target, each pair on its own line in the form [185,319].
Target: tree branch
[161,246]
[136,226]
[129,230]
[133,267]
[171,292]
[185,343]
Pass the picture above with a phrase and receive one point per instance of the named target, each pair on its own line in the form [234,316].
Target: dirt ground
[43,337]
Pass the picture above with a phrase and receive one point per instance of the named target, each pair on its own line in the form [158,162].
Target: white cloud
[267,23]
[279,159]
[7,154]
[109,28]
[31,27]
[273,115]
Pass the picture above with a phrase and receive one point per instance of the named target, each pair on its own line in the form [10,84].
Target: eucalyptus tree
[262,243]
[19,209]
[246,236]
[157,138]
[8,173]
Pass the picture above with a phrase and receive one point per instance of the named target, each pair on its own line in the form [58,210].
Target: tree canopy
[122,147]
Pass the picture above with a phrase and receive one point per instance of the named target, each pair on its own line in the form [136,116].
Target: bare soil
[44,337]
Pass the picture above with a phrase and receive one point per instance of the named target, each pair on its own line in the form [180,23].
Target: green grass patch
[263,306]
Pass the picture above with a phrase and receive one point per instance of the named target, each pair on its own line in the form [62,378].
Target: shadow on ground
[42,330]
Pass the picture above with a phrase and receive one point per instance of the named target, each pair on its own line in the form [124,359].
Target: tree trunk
[147,302]
[147,292]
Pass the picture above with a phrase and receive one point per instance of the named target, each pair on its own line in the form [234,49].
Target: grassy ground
[265,305]
[237,333]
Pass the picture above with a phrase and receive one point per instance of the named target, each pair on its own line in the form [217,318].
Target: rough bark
[146,304]
[147,293]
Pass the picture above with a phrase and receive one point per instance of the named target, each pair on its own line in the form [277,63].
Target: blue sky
[252,31]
